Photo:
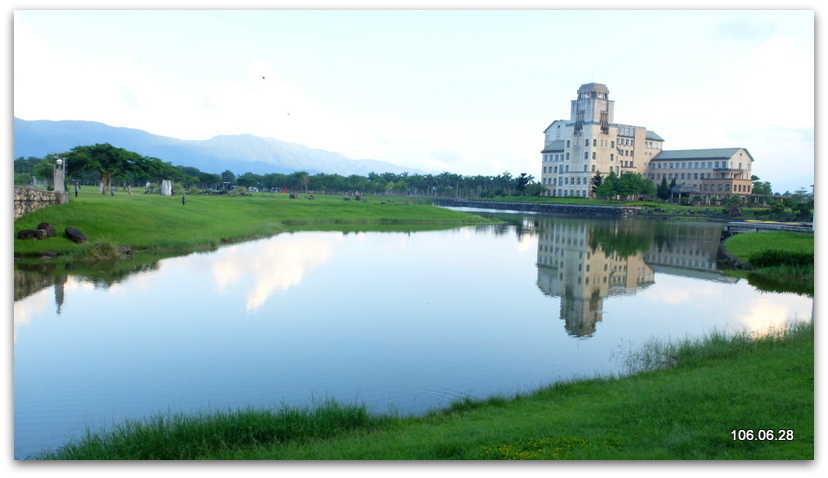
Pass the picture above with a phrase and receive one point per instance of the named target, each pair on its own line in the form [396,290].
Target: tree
[21,179]
[26,165]
[608,187]
[597,180]
[627,185]
[45,169]
[760,187]
[732,205]
[663,191]
[249,180]
[154,170]
[522,181]
[106,159]
[228,177]
[208,180]
[535,189]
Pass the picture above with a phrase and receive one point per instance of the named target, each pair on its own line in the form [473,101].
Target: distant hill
[237,153]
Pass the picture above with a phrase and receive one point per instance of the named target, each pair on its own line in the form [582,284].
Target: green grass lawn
[689,411]
[744,245]
[151,222]
[784,276]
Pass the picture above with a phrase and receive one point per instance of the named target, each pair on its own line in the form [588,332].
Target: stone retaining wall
[27,200]
[547,208]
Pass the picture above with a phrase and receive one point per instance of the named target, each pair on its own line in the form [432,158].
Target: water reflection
[278,264]
[583,262]
[577,263]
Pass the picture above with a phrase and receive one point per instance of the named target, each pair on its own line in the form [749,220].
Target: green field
[155,223]
[744,245]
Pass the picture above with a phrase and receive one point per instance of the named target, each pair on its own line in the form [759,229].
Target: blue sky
[440,90]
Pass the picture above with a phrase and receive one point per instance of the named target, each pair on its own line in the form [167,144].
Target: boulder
[31,234]
[50,229]
[75,235]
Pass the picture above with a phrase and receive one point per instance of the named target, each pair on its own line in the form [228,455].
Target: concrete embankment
[567,209]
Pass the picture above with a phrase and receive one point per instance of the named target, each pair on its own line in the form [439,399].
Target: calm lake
[402,322]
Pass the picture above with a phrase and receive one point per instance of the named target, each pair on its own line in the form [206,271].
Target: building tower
[592,107]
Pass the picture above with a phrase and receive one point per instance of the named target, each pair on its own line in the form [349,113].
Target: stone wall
[27,200]
[548,208]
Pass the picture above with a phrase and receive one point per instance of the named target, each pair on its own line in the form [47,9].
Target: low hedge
[775,257]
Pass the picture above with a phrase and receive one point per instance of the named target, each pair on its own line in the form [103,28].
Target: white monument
[166,188]
[60,176]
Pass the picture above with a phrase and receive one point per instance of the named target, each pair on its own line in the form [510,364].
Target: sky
[465,91]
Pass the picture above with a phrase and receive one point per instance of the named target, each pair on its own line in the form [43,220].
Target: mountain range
[237,153]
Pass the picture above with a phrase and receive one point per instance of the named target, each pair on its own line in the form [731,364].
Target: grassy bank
[684,403]
[779,261]
[155,223]
[743,246]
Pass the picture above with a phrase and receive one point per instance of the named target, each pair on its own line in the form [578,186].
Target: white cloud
[416,96]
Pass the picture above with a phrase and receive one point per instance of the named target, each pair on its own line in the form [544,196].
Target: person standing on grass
[183,198]
[76,190]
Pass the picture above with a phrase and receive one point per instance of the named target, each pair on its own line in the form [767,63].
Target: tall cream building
[591,143]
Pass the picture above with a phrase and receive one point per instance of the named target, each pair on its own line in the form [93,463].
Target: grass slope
[786,275]
[151,222]
[744,245]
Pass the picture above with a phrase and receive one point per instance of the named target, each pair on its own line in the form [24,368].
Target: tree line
[106,166]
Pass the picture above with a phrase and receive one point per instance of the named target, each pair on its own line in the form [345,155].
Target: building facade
[591,143]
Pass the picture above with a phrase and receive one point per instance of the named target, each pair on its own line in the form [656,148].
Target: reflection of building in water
[579,271]
[688,250]
[585,262]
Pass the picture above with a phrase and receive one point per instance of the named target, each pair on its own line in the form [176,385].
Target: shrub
[775,257]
